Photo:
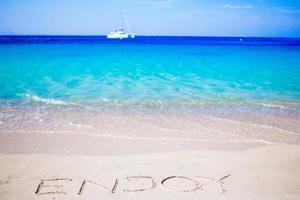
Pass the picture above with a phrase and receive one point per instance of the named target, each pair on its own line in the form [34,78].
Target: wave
[159,103]
[204,103]
[283,105]
[50,101]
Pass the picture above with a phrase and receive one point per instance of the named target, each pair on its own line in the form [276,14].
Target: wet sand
[71,130]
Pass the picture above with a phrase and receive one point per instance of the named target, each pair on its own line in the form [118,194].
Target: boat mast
[126,22]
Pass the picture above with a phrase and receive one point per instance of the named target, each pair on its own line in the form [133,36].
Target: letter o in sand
[195,187]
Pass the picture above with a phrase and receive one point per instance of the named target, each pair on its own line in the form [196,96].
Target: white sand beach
[269,172]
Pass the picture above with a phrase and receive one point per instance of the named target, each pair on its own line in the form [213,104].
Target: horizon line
[64,35]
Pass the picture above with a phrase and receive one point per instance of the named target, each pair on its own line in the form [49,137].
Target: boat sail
[120,33]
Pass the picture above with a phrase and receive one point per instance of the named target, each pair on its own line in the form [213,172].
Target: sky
[266,18]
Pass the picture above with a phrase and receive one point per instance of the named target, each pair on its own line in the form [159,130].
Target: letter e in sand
[51,186]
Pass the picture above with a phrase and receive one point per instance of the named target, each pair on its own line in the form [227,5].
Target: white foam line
[257,125]
[46,100]
[147,138]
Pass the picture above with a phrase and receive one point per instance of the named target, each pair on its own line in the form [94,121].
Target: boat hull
[117,36]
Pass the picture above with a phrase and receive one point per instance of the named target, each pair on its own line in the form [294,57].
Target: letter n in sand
[88,182]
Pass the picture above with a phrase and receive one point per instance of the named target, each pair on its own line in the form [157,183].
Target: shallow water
[150,71]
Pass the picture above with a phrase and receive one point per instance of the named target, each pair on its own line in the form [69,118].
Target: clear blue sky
[279,18]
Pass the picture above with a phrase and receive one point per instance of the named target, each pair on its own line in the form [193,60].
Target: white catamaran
[120,33]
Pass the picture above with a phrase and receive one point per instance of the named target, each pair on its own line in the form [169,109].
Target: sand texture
[269,172]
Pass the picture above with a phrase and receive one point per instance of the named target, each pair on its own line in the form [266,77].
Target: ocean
[149,71]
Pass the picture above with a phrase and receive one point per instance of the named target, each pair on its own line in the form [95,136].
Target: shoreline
[59,129]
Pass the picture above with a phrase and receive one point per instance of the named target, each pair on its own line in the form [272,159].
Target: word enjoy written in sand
[56,186]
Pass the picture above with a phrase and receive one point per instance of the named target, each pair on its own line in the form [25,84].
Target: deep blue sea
[149,71]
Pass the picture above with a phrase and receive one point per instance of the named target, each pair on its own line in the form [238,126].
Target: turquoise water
[149,72]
